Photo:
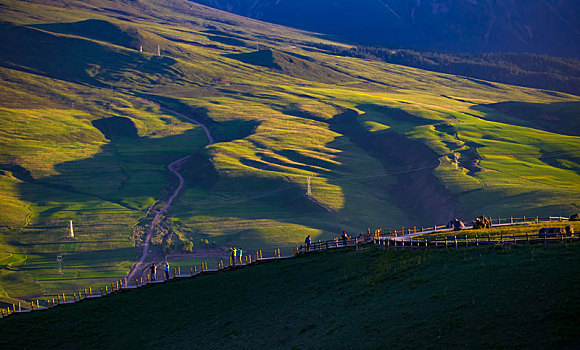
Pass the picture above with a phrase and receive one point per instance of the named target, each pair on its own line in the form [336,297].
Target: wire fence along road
[395,239]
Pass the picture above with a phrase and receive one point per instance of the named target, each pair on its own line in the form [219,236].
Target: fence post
[524,218]
[514,236]
[499,220]
[477,240]
[466,242]
[488,239]
[455,239]
[501,238]
[527,238]
[511,220]
[445,241]
[545,239]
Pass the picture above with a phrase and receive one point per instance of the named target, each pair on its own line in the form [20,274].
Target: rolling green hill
[372,299]
[86,134]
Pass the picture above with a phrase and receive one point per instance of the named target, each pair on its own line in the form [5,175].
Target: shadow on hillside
[75,59]
[417,192]
[128,166]
[557,117]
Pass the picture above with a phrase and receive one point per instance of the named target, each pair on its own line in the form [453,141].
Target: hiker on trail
[234,251]
[307,242]
[240,254]
[167,270]
[344,238]
[153,271]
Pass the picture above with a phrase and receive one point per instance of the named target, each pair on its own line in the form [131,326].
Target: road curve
[137,268]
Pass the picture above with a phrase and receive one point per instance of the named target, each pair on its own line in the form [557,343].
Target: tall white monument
[71,231]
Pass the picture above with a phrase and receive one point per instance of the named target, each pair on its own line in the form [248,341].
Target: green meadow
[86,135]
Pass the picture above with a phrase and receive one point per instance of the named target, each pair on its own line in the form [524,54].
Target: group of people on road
[308,240]
[236,254]
[153,271]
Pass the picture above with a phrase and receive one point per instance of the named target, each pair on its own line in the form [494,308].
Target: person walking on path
[234,251]
[240,255]
[167,270]
[344,238]
[153,271]
[308,242]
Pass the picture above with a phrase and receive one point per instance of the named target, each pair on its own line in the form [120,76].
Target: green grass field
[83,138]
[478,298]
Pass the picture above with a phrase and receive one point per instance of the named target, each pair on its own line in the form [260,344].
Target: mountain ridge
[473,26]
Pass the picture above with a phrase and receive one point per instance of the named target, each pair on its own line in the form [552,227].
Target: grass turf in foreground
[478,298]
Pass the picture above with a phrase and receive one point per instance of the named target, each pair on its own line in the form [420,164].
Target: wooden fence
[124,285]
[494,221]
[466,241]
[383,239]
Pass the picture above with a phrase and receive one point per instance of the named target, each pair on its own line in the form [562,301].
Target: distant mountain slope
[476,26]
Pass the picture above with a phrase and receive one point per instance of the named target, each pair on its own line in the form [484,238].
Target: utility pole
[308,190]
[59,262]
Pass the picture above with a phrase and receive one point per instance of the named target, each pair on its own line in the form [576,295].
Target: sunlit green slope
[86,134]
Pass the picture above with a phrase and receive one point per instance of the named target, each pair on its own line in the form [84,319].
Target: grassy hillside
[86,135]
[476,298]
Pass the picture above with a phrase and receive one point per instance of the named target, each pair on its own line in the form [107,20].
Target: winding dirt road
[137,268]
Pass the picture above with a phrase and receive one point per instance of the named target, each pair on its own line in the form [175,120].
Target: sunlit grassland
[271,166]
[75,173]
[272,131]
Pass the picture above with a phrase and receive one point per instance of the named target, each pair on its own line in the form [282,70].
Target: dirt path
[138,268]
